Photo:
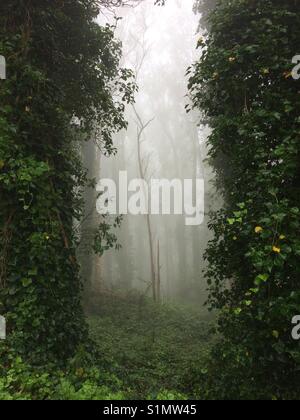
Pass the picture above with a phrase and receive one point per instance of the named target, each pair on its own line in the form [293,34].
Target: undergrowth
[137,350]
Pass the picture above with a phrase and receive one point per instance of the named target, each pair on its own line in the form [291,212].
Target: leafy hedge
[243,84]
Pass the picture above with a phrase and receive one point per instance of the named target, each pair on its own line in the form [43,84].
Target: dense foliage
[142,351]
[63,82]
[244,86]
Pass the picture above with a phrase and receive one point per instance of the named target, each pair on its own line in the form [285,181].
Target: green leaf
[33,272]
[26,282]
[262,278]
[237,311]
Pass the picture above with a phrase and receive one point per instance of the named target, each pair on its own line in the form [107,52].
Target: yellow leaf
[287,74]
[258,229]
[276,250]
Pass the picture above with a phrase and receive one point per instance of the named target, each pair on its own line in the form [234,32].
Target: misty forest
[143,305]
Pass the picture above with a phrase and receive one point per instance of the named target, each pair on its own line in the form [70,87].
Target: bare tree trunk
[158,275]
[149,228]
[89,262]
[153,277]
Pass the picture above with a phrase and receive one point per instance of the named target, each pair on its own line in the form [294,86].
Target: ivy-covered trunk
[61,71]
[244,84]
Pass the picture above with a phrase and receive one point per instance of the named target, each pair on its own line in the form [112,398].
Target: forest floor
[137,350]
[155,350]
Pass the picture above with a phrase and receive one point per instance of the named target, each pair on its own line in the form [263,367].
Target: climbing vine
[63,84]
[244,86]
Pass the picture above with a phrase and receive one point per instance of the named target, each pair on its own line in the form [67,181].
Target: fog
[159,256]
